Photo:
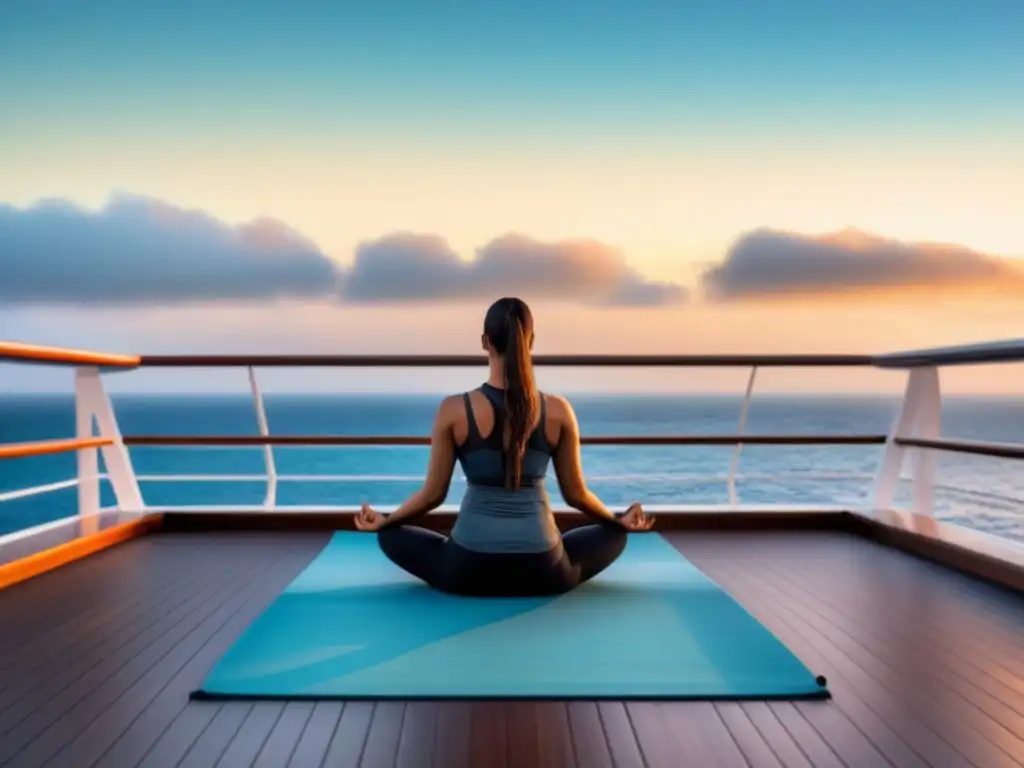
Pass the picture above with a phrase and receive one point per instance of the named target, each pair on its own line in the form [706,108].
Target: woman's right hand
[634,519]
[369,519]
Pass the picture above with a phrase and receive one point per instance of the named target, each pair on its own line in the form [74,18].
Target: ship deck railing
[916,622]
[914,435]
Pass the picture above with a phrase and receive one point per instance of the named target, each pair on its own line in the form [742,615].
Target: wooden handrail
[44,447]
[475,361]
[999,450]
[13,351]
[1009,351]
[991,352]
[246,440]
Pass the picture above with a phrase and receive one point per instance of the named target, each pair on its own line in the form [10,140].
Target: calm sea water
[620,475]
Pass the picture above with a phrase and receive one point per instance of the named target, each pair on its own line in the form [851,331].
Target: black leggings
[444,565]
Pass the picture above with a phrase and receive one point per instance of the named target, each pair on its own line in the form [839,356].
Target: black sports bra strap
[473,434]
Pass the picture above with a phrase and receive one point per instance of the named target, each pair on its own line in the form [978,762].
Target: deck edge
[51,559]
[972,553]
[969,552]
[197,521]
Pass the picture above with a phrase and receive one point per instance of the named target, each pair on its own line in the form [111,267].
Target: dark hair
[508,326]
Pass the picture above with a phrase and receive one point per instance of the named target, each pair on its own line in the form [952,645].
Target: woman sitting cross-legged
[505,541]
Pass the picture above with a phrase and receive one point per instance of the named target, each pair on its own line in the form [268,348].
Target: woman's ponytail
[521,398]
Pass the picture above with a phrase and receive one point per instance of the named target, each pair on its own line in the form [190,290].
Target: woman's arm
[439,469]
[569,467]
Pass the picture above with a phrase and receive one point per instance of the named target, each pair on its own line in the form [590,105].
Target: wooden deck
[97,659]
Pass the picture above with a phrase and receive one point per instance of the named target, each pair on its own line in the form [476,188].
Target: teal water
[619,474]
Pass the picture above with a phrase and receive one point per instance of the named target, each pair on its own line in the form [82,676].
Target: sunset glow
[654,177]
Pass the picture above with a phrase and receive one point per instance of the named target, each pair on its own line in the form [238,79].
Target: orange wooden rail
[34,353]
[76,549]
[44,447]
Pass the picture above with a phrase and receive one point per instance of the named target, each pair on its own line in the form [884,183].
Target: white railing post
[734,466]
[268,450]
[88,458]
[919,417]
[927,426]
[92,398]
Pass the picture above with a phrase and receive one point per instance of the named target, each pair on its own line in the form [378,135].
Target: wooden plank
[349,740]
[60,599]
[244,748]
[523,741]
[658,745]
[948,664]
[45,696]
[817,751]
[174,743]
[419,731]
[284,739]
[488,735]
[900,704]
[748,739]
[37,605]
[910,676]
[381,746]
[102,676]
[588,735]
[210,746]
[706,726]
[119,708]
[775,734]
[451,745]
[162,693]
[621,737]
[554,737]
[108,639]
[316,737]
[906,694]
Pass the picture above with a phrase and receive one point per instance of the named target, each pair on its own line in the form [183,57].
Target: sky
[665,177]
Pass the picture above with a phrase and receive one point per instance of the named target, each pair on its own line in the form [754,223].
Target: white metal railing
[918,420]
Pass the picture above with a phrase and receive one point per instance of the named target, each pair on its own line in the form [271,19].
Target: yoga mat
[651,626]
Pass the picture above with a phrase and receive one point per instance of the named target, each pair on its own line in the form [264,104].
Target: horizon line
[897,394]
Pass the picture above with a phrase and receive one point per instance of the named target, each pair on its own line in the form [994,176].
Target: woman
[505,541]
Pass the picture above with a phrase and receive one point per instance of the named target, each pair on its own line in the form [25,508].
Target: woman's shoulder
[556,405]
[450,408]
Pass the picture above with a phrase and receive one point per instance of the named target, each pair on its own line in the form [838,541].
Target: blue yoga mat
[353,625]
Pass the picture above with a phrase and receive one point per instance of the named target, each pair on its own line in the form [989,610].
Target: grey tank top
[491,518]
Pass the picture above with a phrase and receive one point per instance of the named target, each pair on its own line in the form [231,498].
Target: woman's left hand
[369,519]
[635,519]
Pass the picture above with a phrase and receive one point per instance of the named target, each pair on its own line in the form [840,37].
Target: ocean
[980,492]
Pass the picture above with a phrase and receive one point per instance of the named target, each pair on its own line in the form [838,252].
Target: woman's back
[493,518]
[505,541]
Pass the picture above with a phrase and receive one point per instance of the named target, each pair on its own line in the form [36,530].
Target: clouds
[139,250]
[767,263]
[406,267]
[142,250]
